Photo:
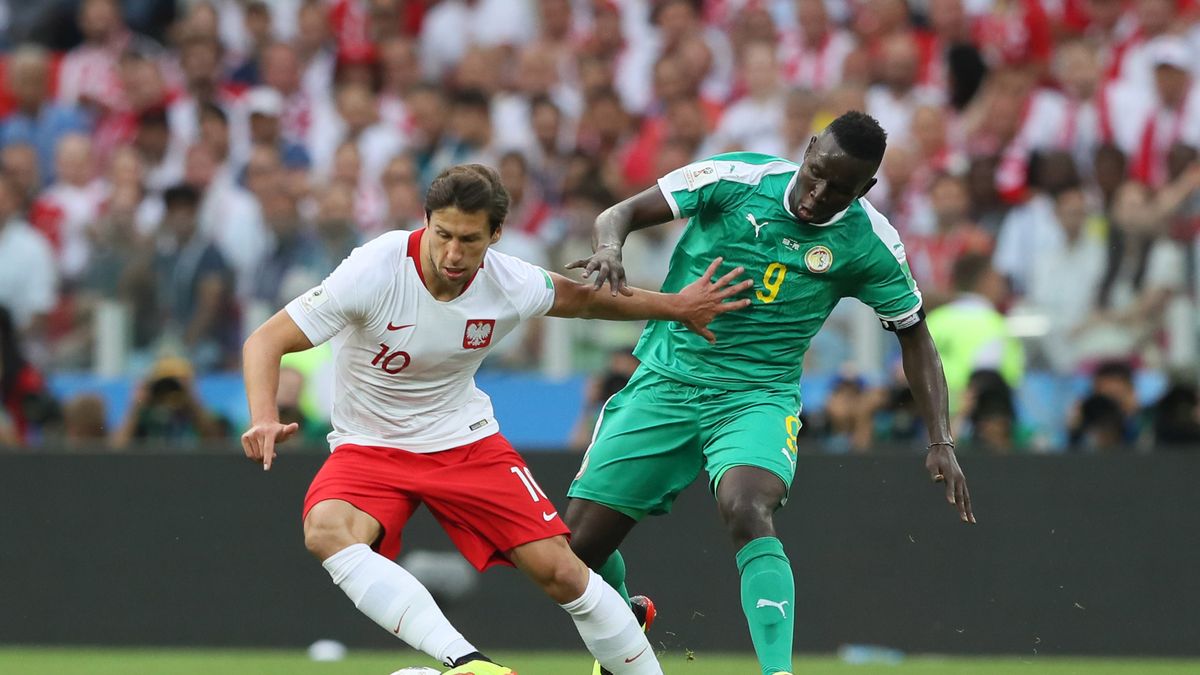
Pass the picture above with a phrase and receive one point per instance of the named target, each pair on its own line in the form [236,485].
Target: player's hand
[606,263]
[943,467]
[259,440]
[702,300]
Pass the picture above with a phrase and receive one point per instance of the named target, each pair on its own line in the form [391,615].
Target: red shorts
[482,494]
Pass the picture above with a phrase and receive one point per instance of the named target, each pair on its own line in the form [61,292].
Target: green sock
[613,571]
[768,599]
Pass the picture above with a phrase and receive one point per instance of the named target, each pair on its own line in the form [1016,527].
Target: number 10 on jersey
[772,282]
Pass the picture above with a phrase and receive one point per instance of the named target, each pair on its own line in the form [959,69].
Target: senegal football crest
[819,259]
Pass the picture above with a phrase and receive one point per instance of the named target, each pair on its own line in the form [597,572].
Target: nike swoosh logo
[548,516]
[401,621]
[392,326]
[638,656]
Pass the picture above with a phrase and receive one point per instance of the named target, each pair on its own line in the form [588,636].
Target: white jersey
[404,363]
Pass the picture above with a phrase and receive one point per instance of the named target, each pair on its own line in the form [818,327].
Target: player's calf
[609,630]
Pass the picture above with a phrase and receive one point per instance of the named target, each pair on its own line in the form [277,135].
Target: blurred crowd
[173,173]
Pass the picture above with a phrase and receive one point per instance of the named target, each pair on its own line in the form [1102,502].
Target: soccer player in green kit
[809,238]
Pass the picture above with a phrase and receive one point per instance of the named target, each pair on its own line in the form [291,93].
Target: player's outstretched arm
[260,369]
[695,305]
[648,207]
[923,368]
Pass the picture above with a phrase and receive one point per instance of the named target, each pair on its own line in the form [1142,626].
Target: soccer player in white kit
[412,315]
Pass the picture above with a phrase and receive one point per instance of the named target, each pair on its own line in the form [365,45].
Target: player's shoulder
[508,271]
[749,171]
[743,165]
[381,256]
[876,228]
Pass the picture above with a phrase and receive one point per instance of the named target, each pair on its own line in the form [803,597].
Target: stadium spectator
[89,73]
[405,208]
[847,423]
[988,419]
[84,422]
[25,405]
[814,53]
[1168,116]
[67,210]
[1099,426]
[195,287]
[166,410]
[601,387]
[452,26]
[1177,417]
[970,332]
[28,271]
[1031,226]
[337,234]
[932,257]
[1065,279]
[754,122]
[19,161]
[293,260]
[37,119]
[894,100]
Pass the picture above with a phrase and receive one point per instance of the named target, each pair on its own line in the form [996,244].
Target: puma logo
[753,221]
[770,603]
[790,460]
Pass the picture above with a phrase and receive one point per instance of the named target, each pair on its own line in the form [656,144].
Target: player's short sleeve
[884,281]
[528,287]
[718,182]
[343,298]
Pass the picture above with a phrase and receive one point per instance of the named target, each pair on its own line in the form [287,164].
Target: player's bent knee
[554,568]
[329,529]
[747,518]
[565,579]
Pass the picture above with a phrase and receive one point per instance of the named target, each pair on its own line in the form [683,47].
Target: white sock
[610,631]
[395,600]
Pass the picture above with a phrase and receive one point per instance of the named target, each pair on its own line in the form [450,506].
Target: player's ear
[496,234]
[867,188]
[811,143]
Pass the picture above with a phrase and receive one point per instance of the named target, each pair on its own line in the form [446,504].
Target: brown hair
[470,188]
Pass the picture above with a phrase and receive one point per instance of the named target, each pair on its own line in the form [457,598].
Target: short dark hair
[471,99]
[968,270]
[859,135]
[208,109]
[1115,368]
[154,116]
[470,188]
[181,195]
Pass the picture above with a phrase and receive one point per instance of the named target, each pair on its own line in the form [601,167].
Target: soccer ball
[417,670]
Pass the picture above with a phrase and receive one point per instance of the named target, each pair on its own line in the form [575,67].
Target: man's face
[950,201]
[458,241]
[1172,84]
[829,180]
[30,83]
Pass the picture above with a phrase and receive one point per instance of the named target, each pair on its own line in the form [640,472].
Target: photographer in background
[166,409]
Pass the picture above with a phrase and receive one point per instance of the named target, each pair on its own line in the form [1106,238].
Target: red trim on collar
[414,251]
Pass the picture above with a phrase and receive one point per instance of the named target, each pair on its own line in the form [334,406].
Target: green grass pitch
[43,661]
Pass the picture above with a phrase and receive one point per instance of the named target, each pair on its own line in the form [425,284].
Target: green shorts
[655,435]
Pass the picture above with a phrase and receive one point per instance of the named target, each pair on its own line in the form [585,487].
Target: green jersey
[738,207]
